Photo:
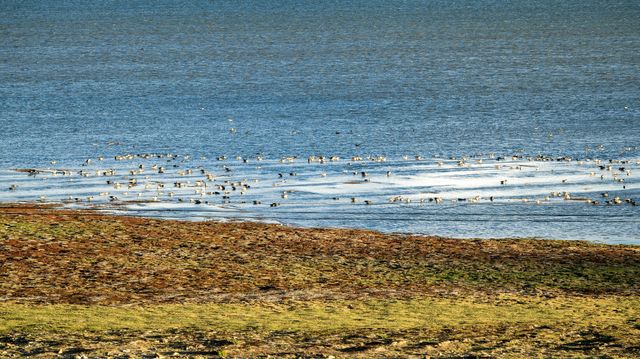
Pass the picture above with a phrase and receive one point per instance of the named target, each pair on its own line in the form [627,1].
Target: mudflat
[83,283]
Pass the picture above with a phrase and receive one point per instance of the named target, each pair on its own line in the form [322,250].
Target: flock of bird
[168,177]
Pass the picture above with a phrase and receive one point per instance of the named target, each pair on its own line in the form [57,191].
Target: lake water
[465,85]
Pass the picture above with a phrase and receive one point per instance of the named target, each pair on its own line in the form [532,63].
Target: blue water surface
[299,77]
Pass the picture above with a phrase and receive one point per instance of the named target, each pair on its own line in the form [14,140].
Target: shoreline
[116,210]
[435,264]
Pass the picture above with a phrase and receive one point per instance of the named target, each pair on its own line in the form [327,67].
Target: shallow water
[299,78]
[474,197]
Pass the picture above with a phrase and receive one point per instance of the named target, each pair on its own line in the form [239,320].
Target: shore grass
[506,326]
[80,283]
[436,313]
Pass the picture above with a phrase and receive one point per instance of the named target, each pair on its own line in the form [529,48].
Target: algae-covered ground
[77,283]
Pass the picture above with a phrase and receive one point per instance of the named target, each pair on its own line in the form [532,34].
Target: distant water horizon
[457,97]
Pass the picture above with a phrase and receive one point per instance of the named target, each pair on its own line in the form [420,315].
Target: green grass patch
[322,316]
[503,326]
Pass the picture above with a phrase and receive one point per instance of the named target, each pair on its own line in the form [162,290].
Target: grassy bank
[81,283]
